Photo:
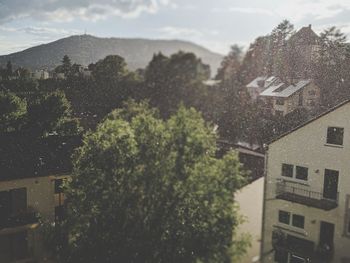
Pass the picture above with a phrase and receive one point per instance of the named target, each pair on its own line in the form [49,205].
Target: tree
[175,79]
[230,65]
[9,70]
[50,113]
[148,190]
[111,68]
[12,112]
[65,67]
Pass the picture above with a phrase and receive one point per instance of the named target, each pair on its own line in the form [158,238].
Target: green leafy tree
[175,79]
[13,111]
[148,190]
[48,113]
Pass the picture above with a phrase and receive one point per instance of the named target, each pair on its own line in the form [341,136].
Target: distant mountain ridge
[86,49]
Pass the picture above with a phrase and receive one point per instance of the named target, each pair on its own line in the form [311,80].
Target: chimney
[309,26]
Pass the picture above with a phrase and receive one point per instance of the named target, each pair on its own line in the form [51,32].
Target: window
[280,101]
[312,92]
[13,202]
[279,113]
[300,102]
[335,135]
[301,173]
[298,221]
[287,170]
[283,217]
[281,256]
[58,186]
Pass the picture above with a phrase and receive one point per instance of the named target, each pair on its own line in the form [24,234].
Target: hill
[86,49]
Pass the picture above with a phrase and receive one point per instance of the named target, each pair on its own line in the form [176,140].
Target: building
[40,74]
[306,46]
[250,156]
[281,98]
[306,215]
[258,85]
[31,194]
[24,204]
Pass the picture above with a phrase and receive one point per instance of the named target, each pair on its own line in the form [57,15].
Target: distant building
[249,156]
[281,98]
[306,46]
[40,74]
[306,216]
[258,85]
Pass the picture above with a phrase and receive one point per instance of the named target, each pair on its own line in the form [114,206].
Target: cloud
[246,10]
[67,10]
[40,31]
[299,10]
[179,32]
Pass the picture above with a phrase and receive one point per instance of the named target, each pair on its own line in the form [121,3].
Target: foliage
[175,79]
[12,111]
[47,112]
[148,190]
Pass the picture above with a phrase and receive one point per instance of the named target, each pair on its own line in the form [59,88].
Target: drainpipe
[266,148]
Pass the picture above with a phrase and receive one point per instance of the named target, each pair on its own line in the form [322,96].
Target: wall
[307,147]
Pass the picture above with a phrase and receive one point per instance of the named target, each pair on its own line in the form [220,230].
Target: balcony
[291,192]
[22,219]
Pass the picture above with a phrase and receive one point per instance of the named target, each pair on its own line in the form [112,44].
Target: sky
[214,24]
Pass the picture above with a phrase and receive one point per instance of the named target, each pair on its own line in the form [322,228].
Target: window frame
[328,135]
[293,221]
[283,169]
[280,212]
[298,167]
[280,101]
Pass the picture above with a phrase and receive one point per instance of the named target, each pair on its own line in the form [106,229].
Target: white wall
[307,147]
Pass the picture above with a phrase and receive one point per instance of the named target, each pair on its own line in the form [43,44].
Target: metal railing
[21,219]
[287,190]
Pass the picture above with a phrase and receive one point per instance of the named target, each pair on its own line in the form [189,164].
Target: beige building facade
[282,99]
[24,205]
[306,214]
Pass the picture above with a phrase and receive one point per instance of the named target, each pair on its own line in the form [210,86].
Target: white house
[40,74]
[258,85]
[306,214]
[281,98]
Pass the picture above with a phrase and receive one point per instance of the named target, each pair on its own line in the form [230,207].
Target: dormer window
[280,101]
[335,135]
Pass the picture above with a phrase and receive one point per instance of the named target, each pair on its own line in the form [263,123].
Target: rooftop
[23,157]
[284,91]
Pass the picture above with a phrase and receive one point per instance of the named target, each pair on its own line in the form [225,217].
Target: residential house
[258,85]
[250,156]
[281,98]
[306,215]
[305,46]
[31,194]
[40,74]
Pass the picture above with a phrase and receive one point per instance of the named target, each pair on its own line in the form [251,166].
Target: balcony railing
[296,194]
[22,219]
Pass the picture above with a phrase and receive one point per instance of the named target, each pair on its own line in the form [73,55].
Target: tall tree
[13,111]
[148,190]
[173,80]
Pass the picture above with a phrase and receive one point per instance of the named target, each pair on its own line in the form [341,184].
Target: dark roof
[25,157]
[309,121]
[305,36]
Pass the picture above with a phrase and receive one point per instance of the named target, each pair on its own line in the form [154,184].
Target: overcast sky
[215,24]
